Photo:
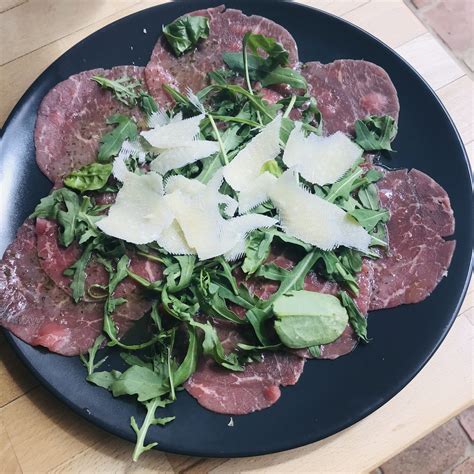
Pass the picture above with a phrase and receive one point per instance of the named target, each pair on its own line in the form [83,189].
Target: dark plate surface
[330,395]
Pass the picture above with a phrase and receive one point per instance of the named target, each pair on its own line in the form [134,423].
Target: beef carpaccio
[35,283]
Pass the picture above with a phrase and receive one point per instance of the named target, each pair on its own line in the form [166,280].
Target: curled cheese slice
[314,220]
[174,134]
[256,192]
[320,160]
[180,156]
[247,164]
[139,213]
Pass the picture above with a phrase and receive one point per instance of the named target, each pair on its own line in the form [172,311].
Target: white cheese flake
[139,213]
[178,157]
[314,220]
[174,134]
[247,164]
[320,160]
[256,192]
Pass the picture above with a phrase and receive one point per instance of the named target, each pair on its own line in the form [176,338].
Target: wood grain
[38,30]
[39,434]
[458,97]
[431,60]
[389,20]
[15,379]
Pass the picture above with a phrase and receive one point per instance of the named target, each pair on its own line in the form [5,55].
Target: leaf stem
[219,140]
[290,106]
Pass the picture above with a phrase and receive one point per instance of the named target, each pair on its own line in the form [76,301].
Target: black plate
[331,395]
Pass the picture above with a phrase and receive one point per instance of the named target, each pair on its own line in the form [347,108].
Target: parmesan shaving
[256,193]
[246,165]
[174,134]
[183,155]
[314,220]
[139,213]
[320,160]
[173,241]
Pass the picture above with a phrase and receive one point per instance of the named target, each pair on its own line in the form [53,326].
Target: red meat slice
[71,120]
[227,29]
[421,215]
[347,90]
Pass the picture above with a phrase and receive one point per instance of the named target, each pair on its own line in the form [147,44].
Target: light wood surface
[39,434]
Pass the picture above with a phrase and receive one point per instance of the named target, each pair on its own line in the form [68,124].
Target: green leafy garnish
[269,70]
[307,318]
[376,132]
[185,32]
[89,178]
[356,319]
[110,143]
[125,89]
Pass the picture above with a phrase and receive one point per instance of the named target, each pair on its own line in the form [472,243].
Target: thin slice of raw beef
[55,259]
[38,311]
[240,393]
[227,29]
[347,90]
[421,215]
[71,120]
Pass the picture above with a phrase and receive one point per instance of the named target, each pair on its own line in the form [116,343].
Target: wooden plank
[437,393]
[336,7]
[38,29]
[431,60]
[9,4]
[458,98]
[389,20]
[114,455]
[45,433]
[17,76]
[8,461]
[15,378]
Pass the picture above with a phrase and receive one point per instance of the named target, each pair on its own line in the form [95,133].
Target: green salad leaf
[185,32]
[110,143]
[90,177]
[376,132]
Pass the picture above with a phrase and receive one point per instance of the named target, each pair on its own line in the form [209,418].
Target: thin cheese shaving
[314,220]
[173,241]
[139,213]
[246,165]
[256,193]
[320,160]
[178,157]
[174,134]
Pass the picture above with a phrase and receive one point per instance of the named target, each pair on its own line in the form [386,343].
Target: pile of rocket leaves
[189,289]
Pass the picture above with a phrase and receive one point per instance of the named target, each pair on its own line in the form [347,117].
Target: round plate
[330,395]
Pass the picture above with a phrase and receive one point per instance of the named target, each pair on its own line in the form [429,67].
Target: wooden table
[40,434]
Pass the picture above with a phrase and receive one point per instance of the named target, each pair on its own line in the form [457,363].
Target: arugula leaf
[120,274]
[272,272]
[104,379]
[142,382]
[78,270]
[369,197]
[188,366]
[284,75]
[344,186]
[268,70]
[272,167]
[110,143]
[147,103]
[89,178]
[132,359]
[315,351]
[369,218]
[89,362]
[149,420]
[186,265]
[376,132]
[257,250]
[212,346]
[185,32]
[257,318]
[124,88]
[356,319]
